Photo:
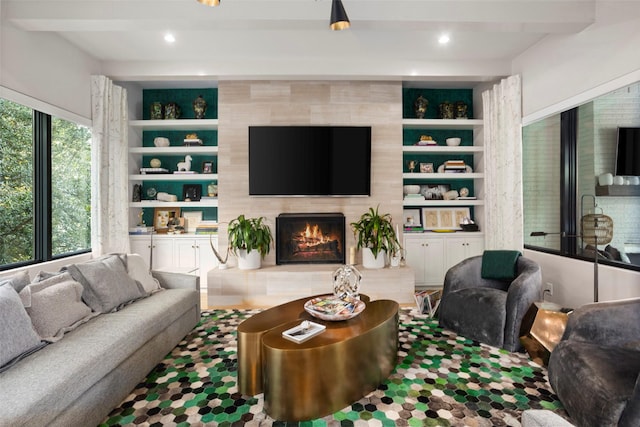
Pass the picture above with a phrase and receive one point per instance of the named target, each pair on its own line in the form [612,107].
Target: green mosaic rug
[441,380]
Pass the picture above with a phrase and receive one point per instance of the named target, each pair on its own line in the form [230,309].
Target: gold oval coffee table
[324,374]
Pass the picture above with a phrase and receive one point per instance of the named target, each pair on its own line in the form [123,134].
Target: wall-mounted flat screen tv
[310,161]
[628,152]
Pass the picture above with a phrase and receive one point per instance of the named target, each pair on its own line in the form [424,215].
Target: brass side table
[541,330]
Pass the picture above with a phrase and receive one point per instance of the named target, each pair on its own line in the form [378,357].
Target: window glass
[71,187]
[16,183]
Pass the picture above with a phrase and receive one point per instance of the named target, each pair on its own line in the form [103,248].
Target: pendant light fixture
[210,2]
[339,18]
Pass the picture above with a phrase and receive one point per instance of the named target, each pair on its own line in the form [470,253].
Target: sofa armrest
[171,280]
[611,323]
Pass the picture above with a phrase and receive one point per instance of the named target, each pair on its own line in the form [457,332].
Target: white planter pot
[248,261]
[369,261]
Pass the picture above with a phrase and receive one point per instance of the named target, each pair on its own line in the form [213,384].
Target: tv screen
[309,160]
[628,152]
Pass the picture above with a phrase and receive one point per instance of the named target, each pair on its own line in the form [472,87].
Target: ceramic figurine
[199,107]
[421,107]
[461,110]
[446,110]
[137,193]
[156,111]
[171,111]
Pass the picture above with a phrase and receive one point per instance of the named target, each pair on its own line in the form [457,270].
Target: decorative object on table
[411,164]
[427,301]
[453,142]
[426,167]
[375,235]
[304,331]
[426,140]
[185,166]
[450,195]
[212,190]
[171,111]
[250,240]
[461,110]
[141,222]
[137,193]
[420,106]
[163,218]
[467,224]
[192,140]
[411,189]
[222,261]
[346,282]
[207,167]
[161,141]
[434,191]
[151,193]
[156,111]
[155,163]
[191,220]
[199,107]
[446,110]
[464,192]
[328,307]
[166,197]
[191,192]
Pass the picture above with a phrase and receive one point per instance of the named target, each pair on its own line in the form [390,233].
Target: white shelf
[174,177]
[441,123]
[180,124]
[174,150]
[440,176]
[156,203]
[442,149]
[436,203]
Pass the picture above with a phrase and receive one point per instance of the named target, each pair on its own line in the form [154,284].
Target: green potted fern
[375,235]
[250,240]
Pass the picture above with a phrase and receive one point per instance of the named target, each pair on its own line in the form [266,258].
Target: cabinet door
[426,257]
[415,258]
[186,254]
[475,246]
[141,245]
[460,248]
[162,253]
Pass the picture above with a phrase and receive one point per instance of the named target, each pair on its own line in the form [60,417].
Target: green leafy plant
[375,231]
[249,234]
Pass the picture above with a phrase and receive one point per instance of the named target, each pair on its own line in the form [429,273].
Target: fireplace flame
[311,237]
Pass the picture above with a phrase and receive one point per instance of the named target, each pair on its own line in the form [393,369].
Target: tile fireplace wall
[245,103]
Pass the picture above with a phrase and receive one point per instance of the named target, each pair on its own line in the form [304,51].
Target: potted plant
[374,233]
[250,240]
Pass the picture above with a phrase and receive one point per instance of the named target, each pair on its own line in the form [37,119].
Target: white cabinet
[186,253]
[431,255]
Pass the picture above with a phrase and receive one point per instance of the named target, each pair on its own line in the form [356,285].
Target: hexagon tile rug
[441,380]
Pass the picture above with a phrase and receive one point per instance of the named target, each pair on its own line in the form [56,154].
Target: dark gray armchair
[595,369]
[489,310]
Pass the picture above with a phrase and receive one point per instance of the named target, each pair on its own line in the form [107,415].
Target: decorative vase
[371,262]
[249,260]
[137,193]
[420,106]
[346,282]
[171,111]
[199,107]
[156,111]
[212,190]
[461,110]
[446,110]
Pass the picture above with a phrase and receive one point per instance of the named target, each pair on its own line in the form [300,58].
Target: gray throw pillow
[17,337]
[55,306]
[139,271]
[106,283]
[17,281]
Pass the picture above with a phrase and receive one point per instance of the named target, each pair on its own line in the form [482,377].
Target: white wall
[48,68]
[561,67]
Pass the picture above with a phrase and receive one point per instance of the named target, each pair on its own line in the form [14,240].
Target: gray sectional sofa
[81,374]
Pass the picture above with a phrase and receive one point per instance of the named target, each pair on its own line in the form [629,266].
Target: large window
[45,175]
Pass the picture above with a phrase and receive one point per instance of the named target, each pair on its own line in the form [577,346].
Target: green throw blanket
[500,265]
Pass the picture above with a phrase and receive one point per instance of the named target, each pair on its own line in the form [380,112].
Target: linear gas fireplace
[310,238]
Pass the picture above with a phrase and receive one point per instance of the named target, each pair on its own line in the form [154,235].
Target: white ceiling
[391,39]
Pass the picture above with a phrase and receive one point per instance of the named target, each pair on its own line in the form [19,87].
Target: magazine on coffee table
[304,331]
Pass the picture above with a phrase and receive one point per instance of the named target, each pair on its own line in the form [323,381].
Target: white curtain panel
[502,107]
[109,168]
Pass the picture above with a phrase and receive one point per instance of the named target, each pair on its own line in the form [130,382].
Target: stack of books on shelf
[454,166]
[145,171]
[207,227]
[414,197]
[140,229]
[192,142]
[184,172]
[411,228]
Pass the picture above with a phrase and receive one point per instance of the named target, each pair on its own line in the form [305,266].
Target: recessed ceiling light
[169,38]
[443,39]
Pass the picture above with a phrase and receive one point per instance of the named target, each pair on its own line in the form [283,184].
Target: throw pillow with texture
[17,281]
[139,271]
[55,306]
[16,332]
[106,283]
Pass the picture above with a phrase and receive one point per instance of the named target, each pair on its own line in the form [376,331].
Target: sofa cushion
[17,337]
[17,281]
[68,368]
[107,285]
[139,271]
[55,306]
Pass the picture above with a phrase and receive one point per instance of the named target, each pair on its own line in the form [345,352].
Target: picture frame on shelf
[459,214]
[164,218]
[191,192]
[437,219]
[434,191]
[207,167]
[426,167]
[191,220]
[412,217]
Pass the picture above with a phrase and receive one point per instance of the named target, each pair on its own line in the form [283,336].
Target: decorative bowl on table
[328,307]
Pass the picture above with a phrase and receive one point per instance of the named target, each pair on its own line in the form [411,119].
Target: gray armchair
[595,369]
[489,310]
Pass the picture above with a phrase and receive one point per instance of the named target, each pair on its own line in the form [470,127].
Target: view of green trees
[70,176]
